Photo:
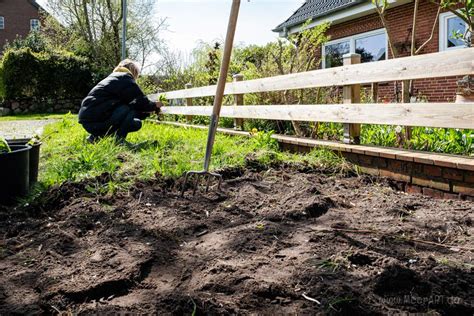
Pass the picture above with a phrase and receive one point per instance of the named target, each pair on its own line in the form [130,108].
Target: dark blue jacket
[117,89]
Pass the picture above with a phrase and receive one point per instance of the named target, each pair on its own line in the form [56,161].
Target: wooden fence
[350,77]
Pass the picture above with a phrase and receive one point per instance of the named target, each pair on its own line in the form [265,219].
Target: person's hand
[159,104]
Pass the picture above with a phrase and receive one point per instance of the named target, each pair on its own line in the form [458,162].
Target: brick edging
[438,176]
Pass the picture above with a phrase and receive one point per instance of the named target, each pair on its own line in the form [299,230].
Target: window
[34,24]
[2,23]
[335,52]
[451,31]
[372,46]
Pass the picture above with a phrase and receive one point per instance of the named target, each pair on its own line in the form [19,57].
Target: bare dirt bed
[274,241]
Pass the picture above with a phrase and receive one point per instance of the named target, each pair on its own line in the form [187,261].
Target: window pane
[35,25]
[372,48]
[2,22]
[455,26]
[334,54]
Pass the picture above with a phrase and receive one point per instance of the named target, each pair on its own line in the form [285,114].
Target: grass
[439,140]
[332,264]
[169,151]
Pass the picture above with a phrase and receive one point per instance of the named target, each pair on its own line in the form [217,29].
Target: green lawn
[170,151]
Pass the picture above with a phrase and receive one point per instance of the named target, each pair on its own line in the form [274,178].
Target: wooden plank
[449,63]
[203,127]
[448,115]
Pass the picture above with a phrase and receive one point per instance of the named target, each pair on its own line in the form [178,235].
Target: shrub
[147,84]
[26,74]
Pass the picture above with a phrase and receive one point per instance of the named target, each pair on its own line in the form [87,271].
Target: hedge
[25,74]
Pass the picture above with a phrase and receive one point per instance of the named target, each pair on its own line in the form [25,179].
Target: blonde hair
[132,66]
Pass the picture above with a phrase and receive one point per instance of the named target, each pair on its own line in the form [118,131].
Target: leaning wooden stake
[216,110]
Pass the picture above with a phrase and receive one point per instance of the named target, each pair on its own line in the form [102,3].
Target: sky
[190,21]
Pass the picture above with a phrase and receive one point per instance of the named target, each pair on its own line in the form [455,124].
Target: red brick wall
[413,177]
[17,14]
[400,21]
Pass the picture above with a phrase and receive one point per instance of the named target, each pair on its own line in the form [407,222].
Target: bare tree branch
[433,30]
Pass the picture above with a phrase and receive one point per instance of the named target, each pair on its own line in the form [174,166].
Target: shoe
[123,142]
[91,139]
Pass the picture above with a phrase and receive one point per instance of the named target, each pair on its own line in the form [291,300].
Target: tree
[94,29]
[464,9]
[381,6]
[284,56]
[144,33]
[297,55]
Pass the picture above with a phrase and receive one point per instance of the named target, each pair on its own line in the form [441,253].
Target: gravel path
[23,128]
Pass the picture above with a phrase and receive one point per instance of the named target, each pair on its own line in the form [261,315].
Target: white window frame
[352,39]
[31,25]
[2,22]
[443,32]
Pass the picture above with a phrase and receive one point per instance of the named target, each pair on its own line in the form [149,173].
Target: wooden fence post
[238,100]
[406,99]
[189,102]
[351,94]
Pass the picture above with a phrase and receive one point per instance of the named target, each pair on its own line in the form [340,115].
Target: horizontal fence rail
[446,115]
[445,64]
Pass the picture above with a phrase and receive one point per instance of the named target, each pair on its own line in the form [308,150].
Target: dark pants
[123,120]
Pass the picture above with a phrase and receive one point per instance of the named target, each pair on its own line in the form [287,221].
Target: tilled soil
[272,242]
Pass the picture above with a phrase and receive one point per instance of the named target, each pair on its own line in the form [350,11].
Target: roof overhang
[35,4]
[344,15]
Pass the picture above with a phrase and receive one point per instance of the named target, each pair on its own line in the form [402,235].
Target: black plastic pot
[15,174]
[34,156]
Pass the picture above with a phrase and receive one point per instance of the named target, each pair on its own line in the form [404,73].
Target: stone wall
[26,106]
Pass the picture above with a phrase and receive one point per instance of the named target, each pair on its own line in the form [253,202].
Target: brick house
[357,28]
[17,18]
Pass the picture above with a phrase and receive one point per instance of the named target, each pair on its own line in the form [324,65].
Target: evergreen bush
[27,74]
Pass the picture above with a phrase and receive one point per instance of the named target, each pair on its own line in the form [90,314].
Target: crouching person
[116,105]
